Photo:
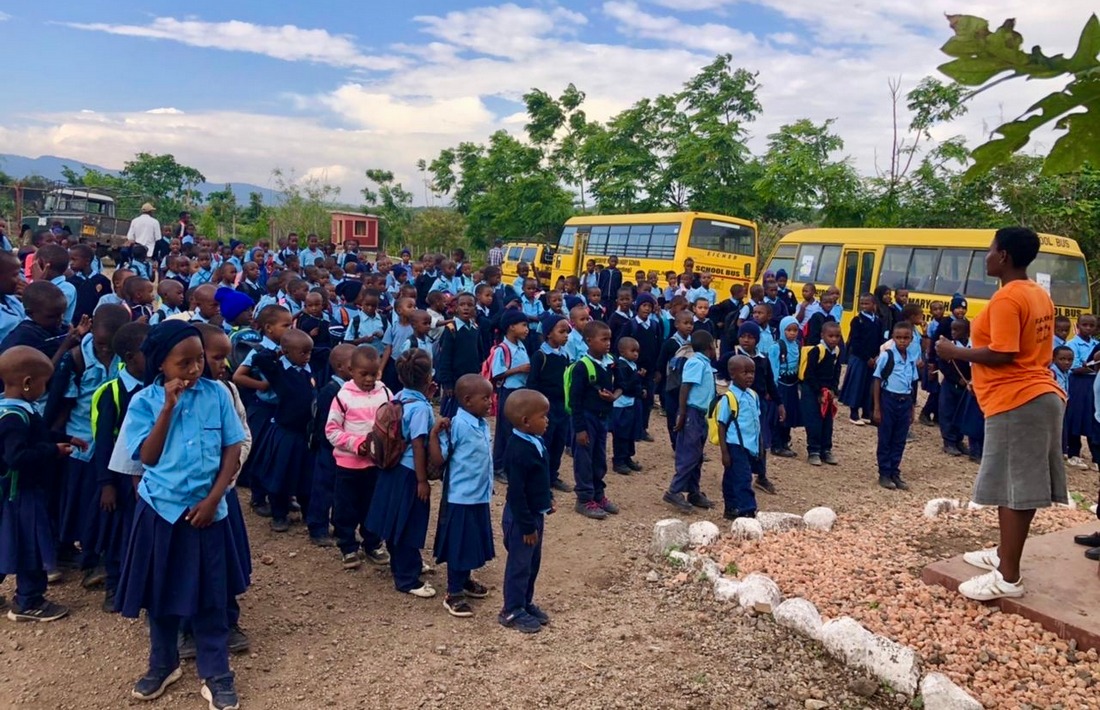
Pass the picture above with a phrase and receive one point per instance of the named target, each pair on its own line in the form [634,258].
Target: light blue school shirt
[519,357]
[94,375]
[903,375]
[748,419]
[836,312]
[1081,350]
[203,423]
[532,308]
[708,293]
[266,300]
[395,335]
[11,314]
[309,257]
[1058,342]
[270,345]
[698,373]
[624,401]
[407,344]
[197,317]
[369,325]
[517,285]
[200,277]
[914,351]
[1062,378]
[575,347]
[162,314]
[70,296]
[416,422]
[767,344]
[293,306]
[142,269]
[455,285]
[470,471]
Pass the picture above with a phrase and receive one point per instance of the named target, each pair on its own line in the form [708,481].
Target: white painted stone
[939,693]
[681,558]
[747,529]
[668,534]
[799,615]
[653,577]
[940,506]
[709,568]
[887,660]
[975,506]
[726,589]
[1092,509]
[779,522]
[703,533]
[815,704]
[819,518]
[758,589]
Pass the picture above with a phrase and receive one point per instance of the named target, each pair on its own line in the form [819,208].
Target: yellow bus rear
[660,242]
[932,264]
[535,254]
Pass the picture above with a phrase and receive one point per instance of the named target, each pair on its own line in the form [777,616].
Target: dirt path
[323,637]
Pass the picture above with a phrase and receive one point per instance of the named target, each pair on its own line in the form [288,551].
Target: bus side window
[922,268]
[895,264]
[851,271]
[978,285]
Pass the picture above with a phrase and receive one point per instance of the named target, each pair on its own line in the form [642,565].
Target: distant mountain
[49,167]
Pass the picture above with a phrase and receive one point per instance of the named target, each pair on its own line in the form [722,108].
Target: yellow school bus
[723,246]
[536,254]
[932,264]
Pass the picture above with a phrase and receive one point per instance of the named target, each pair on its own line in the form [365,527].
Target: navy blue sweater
[296,390]
[584,396]
[528,475]
[460,353]
[547,376]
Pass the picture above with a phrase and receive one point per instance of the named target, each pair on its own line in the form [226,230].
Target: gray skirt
[1022,466]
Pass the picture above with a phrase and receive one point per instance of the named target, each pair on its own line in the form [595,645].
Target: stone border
[844,638]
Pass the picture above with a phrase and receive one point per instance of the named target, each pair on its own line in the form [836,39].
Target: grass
[732,570]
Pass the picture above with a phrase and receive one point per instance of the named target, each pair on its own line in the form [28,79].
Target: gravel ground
[328,638]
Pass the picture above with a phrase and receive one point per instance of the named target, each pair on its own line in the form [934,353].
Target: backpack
[804,358]
[343,322]
[386,442]
[116,396]
[590,368]
[674,377]
[58,406]
[713,434]
[888,366]
[487,369]
[242,341]
[13,474]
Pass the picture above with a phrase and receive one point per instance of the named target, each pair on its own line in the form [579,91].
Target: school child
[508,368]
[596,308]
[589,397]
[720,312]
[1062,326]
[864,342]
[547,376]
[930,377]
[89,285]
[226,276]
[523,272]
[42,329]
[772,409]
[311,320]
[400,507]
[529,500]
[626,412]
[460,352]
[756,296]
[809,305]
[322,491]
[171,301]
[575,348]
[778,305]
[350,420]
[273,322]
[273,294]
[819,318]
[437,310]
[284,465]
[784,361]
[485,317]
[296,291]
[892,393]
[700,308]
[956,381]
[12,312]
[670,350]
[204,274]
[1080,405]
[31,452]
[138,294]
[884,301]
[421,324]
[739,437]
[182,560]
[54,262]
[396,335]
[901,299]
[370,328]
[572,295]
[817,395]
[704,290]
[646,329]
[971,419]
[79,374]
[762,317]
[205,306]
[464,535]
[235,308]
[532,307]
[115,488]
[696,395]
[1060,366]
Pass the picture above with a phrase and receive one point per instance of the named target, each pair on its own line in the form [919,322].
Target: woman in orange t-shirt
[1021,467]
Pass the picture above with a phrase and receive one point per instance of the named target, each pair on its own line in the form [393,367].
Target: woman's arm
[946,350]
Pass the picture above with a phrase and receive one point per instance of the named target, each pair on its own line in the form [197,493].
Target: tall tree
[302,205]
[393,203]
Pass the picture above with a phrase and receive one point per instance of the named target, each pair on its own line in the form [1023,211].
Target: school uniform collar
[411,395]
[129,382]
[197,317]
[339,380]
[288,365]
[545,348]
[628,313]
[536,440]
[644,323]
[604,362]
[738,350]
[483,310]
[460,324]
[22,404]
[628,363]
[470,420]
[680,340]
[869,316]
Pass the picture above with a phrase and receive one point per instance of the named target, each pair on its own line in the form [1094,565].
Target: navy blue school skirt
[1080,409]
[177,569]
[79,518]
[971,420]
[769,417]
[788,396]
[464,538]
[396,515]
[27,535]
[259,417]
[284,461]
[113,529]
[235,518]
[857,383]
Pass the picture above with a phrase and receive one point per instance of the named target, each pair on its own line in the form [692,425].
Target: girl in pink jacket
[350,421]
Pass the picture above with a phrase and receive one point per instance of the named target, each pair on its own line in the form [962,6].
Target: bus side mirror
[748,270]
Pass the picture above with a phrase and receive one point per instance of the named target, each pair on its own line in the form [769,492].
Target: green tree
[222,205]
[984,59]
[303,206]
[559,127]
[437,229]
[255,207]
[393,203]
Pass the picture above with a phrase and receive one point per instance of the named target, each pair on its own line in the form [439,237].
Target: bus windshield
[1064,276]
[727,237]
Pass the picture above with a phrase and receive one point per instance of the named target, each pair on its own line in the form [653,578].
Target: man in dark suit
[610,280]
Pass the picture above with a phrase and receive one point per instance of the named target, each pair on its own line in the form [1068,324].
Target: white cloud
[286,42]
[388,114]
[4,16]
[165,110]
[784,38]
[503,31]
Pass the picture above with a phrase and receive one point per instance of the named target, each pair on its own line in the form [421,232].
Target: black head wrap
[160,341]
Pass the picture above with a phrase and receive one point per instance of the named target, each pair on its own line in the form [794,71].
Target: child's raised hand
[172,391]
[532,539]
[78,443]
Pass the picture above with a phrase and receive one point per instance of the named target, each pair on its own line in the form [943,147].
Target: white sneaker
[983,559]
[990,585]
[1076,462]
[856,422]
[424,591]
[426,568]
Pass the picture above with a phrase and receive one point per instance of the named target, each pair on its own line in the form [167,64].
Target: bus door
[858,275]
[569,259]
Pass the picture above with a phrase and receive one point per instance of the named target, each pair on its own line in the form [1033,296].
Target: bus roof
[659,217]
[967,238]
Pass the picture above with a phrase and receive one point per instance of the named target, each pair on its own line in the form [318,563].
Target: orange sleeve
[1005,323]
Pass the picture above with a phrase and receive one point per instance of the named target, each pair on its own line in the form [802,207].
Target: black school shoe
[561,486]
[109,602]
[237,641]
[622,469]
[262,509]
[540,616]
[520,620]
[734,514]
[280,525]
[677,501]
[634,465]
[221,693]
[900,484]
[1093,553]
[1090,540]
[764,485]
[153,684]
[44,612]
[475,589]
[886,482]
[700,500]
[185,646]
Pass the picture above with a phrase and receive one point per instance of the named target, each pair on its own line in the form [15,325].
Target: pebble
[863,687]
[815,704]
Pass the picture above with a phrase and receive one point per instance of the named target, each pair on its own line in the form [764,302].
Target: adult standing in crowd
[5,243]
[180,229]
[1021,467]
[496,254]
[144,229]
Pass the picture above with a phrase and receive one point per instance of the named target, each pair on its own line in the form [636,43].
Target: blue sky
[329,89]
